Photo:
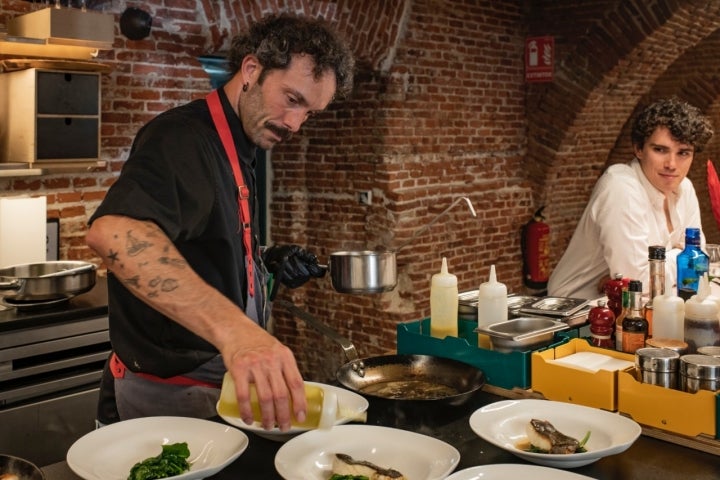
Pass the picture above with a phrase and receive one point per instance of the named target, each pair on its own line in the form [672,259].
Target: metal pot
[423,378]
[369,271]
[47,281]
[23,469]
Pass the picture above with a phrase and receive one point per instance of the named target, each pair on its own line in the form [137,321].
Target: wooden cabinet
[49,116]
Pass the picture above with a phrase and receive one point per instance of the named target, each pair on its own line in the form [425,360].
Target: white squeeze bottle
[668,314]
[492,306]
[444,303]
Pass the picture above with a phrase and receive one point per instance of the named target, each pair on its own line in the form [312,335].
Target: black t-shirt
[179,177]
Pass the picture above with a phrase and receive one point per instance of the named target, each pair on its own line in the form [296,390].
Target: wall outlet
[364,197]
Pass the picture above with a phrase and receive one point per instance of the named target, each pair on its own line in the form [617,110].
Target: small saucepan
[367,271]
[405,378]
[47,281]
[12,467]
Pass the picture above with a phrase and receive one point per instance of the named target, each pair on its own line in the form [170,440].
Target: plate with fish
[361,449]
[554,434]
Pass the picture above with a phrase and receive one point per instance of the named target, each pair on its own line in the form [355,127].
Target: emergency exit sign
[539,59]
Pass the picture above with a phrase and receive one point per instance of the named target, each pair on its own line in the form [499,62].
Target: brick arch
[574,122]
[372,28]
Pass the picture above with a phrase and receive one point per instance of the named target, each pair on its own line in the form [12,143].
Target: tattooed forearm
[133,281]
[135,246]
[174,262]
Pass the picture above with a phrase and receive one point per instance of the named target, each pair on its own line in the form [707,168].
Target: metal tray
[556,306]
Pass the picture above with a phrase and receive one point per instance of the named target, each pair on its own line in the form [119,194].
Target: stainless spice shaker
[699,372]
[657,366]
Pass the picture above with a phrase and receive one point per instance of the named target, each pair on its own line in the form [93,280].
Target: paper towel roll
[23,230]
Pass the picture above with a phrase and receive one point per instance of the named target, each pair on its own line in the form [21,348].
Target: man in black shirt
[186,281]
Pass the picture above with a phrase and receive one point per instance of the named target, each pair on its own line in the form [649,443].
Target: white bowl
[504,424]
[505,471]
[109,453]
[350,406]
[310,456]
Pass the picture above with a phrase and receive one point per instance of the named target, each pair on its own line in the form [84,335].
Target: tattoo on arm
[135,246]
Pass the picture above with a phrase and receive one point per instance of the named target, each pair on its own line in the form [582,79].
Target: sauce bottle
[492,306]
[701,319]
[444,303]
[668,314]
[322,405]
[634,326]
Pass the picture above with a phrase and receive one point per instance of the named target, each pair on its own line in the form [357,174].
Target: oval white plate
[504,471]
[349,403]
[111,451]
[310,456]
[504,425]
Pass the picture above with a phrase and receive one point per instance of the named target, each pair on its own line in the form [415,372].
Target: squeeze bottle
[701,318]
[322,405]
[668,314]
[492,306]
[444,303]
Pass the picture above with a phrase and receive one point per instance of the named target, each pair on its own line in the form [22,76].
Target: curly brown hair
[276,38]
[685,122]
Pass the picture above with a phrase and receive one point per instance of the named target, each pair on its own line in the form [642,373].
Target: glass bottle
[656,260]
[634,326]
[602,324]
[623,312]
[692,263]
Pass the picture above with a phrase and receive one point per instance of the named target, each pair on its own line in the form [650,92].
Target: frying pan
[47,281]
[368,271]
[423,378]
[20,467]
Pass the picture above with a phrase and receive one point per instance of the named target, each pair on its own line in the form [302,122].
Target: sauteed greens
[171,461]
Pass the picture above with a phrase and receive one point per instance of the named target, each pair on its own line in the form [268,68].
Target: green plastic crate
[504,370]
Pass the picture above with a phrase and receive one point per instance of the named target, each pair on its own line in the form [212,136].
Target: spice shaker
[657,366]
[699,372]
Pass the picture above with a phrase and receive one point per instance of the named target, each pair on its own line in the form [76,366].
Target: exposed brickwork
[440,110]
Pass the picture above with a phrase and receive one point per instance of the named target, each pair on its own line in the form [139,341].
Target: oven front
[49,383]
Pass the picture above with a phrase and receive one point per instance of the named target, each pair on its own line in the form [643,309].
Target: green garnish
[581,446]
[171,461]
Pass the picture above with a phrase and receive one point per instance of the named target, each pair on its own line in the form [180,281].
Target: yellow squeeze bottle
[322,405]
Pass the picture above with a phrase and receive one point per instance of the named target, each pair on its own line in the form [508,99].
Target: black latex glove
[292,265]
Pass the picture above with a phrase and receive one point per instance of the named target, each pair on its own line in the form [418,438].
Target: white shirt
[624,216]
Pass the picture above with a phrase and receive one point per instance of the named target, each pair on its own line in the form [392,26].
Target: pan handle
[346,344]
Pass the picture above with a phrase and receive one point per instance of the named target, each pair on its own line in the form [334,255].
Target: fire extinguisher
[535,244]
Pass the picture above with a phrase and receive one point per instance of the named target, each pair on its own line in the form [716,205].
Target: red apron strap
[223,129]
[118,370]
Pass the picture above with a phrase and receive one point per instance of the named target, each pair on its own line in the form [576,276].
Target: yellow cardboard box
[567,384]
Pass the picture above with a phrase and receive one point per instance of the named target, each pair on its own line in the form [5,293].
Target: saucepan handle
[346,344]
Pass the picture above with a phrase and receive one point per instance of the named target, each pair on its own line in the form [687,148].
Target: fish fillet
[346,465]
[544,436]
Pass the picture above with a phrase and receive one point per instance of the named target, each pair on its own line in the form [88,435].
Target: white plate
[504,471]
[310,456]
[350,405]
[111,451]
[504,424]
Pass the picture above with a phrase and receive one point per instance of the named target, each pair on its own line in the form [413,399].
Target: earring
[245,87]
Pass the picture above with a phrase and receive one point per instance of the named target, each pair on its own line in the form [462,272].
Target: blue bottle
[692,263]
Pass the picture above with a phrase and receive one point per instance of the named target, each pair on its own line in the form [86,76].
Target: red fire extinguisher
[535,244]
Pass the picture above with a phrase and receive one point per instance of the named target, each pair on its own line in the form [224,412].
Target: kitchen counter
[648,458]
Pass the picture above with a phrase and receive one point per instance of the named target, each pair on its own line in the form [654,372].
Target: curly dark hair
[275,38]
[685,122]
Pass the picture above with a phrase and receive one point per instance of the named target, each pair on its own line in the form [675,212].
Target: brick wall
[440,110]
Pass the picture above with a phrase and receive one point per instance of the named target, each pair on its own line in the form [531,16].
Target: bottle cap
[492,288]
[656,252]
[444,279]
[635,286]
[692,236]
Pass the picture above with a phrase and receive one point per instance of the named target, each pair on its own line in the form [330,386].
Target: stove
[51,362]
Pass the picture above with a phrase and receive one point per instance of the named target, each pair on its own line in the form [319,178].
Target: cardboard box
[567,384]
[68,26]
[676,411]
